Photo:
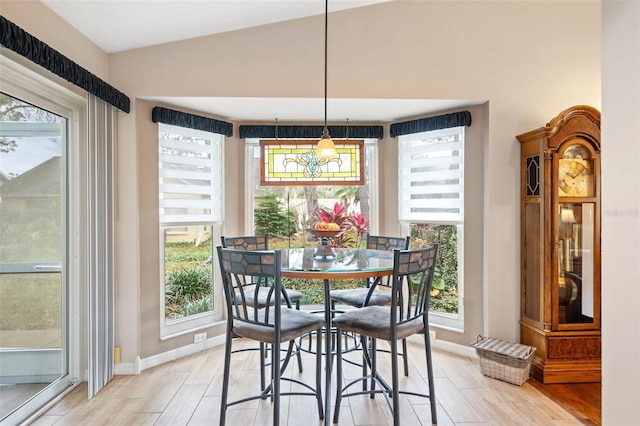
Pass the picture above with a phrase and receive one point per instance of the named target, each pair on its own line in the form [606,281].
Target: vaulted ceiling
[117,26]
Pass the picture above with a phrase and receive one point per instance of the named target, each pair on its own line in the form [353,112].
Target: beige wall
[519,57]
[620,213]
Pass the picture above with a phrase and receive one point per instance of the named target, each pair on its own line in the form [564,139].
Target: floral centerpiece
[353,226]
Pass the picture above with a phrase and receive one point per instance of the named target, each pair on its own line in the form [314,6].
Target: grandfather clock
[560,246]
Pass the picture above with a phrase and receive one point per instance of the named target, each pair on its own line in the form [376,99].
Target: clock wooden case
[560,246]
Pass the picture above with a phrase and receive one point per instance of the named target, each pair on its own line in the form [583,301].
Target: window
[190,200]
[285,211]
[431,209]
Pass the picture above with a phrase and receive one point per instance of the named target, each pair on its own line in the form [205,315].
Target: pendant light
[326,148]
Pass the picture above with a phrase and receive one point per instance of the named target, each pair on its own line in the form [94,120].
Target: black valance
[15,38]
[191,121]
[310,132]
[462,118]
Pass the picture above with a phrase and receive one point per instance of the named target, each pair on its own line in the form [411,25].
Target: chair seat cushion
[357,296]
[263,293]
[375,321]
[294,324]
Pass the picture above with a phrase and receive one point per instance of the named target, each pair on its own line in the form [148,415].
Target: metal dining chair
[259,299]
[371,295]
[275,323]
[406,315]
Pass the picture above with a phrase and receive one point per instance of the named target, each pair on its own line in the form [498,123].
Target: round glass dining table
[328,263]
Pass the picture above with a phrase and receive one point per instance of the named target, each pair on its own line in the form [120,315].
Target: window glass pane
[430,173]
[444,295]
[188,271]
[33,274]
[190,176]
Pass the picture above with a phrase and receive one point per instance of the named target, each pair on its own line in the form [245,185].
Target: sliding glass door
[37,359]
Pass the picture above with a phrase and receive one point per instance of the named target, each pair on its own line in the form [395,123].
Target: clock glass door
[576,271]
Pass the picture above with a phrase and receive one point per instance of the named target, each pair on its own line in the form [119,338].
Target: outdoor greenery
[444,296]
[271,218]
[188,278]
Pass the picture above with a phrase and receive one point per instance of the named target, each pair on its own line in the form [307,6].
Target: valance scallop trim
[310,132]
[446,121]
[191,121]
[18,40]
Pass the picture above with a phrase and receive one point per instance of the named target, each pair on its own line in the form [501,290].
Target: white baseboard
[142,364]
[445,346]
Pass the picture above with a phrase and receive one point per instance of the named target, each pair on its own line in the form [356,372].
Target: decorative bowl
[325,233]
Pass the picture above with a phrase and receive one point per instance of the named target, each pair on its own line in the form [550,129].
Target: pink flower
[360,221]
[338,209]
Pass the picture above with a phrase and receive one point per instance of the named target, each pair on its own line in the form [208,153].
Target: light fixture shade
[326,148]
[566,216]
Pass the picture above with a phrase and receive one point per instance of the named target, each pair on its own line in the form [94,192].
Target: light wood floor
[187,392]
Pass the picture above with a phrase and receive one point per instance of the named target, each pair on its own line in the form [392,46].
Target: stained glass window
[294,163]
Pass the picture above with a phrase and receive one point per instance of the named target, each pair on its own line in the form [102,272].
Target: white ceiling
[119,25]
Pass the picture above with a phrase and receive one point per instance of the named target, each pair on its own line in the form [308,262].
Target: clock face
[574,178]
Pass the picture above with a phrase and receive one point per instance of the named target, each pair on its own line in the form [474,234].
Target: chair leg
[395,382]
[432,390]
[374,365]
[365,347]
[405,357]
[298,354]
[225,380]
[319,375]
[336,408]
[275,370]
[263,355]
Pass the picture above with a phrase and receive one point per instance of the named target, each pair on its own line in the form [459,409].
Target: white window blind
[430,167]
[190,175]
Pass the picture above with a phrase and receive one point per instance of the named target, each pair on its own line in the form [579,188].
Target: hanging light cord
[326,20]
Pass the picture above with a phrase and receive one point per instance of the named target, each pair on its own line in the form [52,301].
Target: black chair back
[380,242]
[249,242]
[412,278]
[240,270]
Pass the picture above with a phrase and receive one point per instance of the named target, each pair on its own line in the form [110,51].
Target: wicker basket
[509,362]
